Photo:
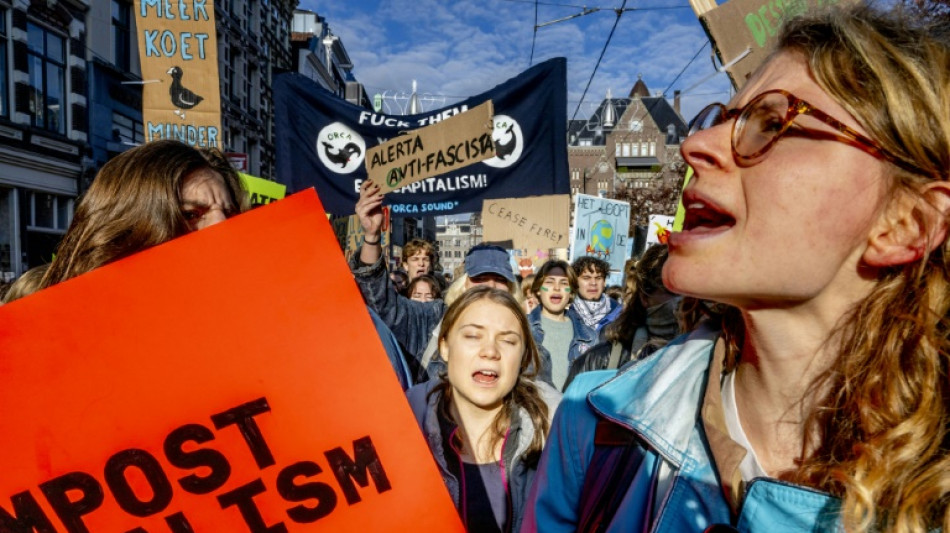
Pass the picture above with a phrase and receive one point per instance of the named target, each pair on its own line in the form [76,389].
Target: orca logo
[340,149]
[509,142]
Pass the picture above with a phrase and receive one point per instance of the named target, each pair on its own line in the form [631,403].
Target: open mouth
[486,377]
[556,299]
[702,216]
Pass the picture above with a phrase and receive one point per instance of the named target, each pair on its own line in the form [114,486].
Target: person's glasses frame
[716,113]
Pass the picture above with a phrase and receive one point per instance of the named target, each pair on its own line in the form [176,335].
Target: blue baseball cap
[488,259]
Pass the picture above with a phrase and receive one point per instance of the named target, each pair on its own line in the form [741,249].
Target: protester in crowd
[528,300]
[555,326]
[592,304]
[615,293]
[824,403]
[400,282]
[416,323]
[143,197]
[26,284]
[648,321]
[424,289]
[486,419]
[418,258]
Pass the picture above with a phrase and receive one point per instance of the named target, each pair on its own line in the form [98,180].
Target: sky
[455,49]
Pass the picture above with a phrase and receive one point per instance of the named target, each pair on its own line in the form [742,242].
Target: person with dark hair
[400,282]
[594,307]
[424,289]
[486,419]
[823,402]
[416,324]
[556,327]
[647,322]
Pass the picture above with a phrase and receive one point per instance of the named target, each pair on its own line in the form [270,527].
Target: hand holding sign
[455,142]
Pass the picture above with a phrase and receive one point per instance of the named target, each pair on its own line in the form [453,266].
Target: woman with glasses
[819,212]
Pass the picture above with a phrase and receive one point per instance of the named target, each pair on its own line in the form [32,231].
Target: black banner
[322,141]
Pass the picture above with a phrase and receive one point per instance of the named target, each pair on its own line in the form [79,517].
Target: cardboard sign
[262,191]
[743,31]
[354,235]
[456,142]
[533,223]
[178,50]
[659,229]
[206,385]
[601,229]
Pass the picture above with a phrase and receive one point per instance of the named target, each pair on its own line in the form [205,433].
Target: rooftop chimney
[676,101]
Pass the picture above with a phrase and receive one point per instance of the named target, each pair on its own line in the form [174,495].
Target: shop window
[50,212]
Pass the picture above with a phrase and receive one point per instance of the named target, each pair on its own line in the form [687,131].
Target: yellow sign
[453,143]
[680,210]
[178,51]
[262,191]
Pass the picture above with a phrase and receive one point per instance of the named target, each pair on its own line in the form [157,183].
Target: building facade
[628,149]
[455,238]
[71,99]
[43,126]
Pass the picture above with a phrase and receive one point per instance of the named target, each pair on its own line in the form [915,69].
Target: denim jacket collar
[658,397]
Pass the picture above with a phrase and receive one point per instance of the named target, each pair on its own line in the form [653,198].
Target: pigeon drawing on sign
[341,156]
[182,98]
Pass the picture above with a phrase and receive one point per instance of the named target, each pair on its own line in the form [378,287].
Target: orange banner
[206,385]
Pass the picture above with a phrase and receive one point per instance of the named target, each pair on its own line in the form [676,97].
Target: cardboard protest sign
[205,385]
[743,31]
[178,50]
[456,142]
[354,235]
[659,229]
[262,191]
[533,223]
[601,229]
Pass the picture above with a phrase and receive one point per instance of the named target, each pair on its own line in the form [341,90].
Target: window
[46,58]
[127,130]
[625,150]
[49,212]
[4,95]
[652,148]
[121,35]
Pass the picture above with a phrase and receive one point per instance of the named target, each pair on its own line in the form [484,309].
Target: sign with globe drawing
[600,229]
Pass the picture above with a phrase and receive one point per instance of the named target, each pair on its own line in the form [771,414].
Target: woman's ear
[444,350]
[910,226]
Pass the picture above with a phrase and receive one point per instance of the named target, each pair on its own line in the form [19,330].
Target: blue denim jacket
[584,335]
[660,399]
[411,322]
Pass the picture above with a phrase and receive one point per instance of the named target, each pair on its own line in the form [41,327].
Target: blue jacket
[411,322]
[518,473]
[584,335]
[659,398]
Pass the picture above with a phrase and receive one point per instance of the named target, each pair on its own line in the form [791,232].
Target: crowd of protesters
[782,365]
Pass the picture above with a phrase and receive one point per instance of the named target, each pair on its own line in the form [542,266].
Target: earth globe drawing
[602,236]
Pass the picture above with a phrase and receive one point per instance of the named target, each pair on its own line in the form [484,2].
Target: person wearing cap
[414,323]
